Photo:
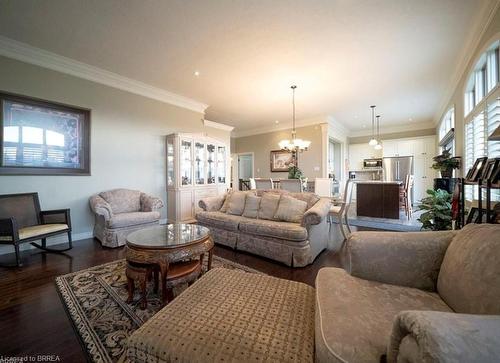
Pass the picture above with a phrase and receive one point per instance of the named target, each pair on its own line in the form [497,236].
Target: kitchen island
[378,199]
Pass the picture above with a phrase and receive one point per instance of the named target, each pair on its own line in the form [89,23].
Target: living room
[250,181]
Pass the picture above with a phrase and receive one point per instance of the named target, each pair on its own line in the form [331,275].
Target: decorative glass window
[199,163]
[210,164]
[186,164]
[170,162]
[221,164]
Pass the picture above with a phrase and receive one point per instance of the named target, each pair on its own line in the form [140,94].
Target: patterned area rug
[95,301]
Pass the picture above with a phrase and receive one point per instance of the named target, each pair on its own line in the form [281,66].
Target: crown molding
[279,127]
[395,129]
[26,53]
[217,125]
[479,28]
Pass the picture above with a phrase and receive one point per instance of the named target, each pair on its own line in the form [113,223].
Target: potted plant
[294,172]
[437,210]
[445,163]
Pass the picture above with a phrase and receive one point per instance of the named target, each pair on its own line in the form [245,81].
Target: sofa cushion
[236,203]
[354,316]
[469,279]
[290,209]
[123,200]
[218,219]
[132,219]
[281,230]
[252,204]
[269,205]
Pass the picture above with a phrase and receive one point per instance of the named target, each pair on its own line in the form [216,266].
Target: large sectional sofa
[294,244]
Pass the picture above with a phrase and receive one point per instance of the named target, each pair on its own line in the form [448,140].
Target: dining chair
[323,187]
[253,185]
[291,185]
[340,209]
[405,195]
[264,183]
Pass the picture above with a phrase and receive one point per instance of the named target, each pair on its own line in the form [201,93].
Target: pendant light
[294,145]
[373,141]
[379,143]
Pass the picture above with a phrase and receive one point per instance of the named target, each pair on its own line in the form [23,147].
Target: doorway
[243,168]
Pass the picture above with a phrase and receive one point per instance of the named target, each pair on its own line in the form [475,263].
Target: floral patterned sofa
[121,211]
[294,236]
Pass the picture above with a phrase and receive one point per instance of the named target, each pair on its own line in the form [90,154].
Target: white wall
[127,140]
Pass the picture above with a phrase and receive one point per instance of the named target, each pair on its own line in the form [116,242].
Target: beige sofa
[412,297]
[121,211]
[294,244]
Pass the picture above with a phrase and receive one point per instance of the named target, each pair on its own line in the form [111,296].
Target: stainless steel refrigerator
[396,168]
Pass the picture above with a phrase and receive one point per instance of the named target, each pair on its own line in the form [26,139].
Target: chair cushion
[38,230]
[282,230]
[252,204]
[354,316]
[290,209]
[269,205]
[231,316]
[335,209]
[219,220]
[469,278]
[132,219]
[123,200]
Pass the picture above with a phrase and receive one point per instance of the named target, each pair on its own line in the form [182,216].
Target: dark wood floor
[33,320]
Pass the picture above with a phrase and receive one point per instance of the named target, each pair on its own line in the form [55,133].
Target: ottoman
[231,316]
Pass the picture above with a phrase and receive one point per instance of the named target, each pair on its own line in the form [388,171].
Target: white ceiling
[344,55]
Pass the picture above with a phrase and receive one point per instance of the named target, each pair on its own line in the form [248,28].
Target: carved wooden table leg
[210,253]
[130,289]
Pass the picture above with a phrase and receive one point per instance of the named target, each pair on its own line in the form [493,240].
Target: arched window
[447,131]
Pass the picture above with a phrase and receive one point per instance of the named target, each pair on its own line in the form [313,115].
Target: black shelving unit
[480,185]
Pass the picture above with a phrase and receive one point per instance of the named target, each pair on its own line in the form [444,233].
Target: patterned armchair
[121,211]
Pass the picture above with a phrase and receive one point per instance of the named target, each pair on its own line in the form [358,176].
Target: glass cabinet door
[170,163]
[210,164]
[221,164]
[199,163]
[186,162]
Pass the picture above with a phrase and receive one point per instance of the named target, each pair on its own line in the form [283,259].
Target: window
[484,78]
[482,111]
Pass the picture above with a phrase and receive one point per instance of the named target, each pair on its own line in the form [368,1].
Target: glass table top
[167,236]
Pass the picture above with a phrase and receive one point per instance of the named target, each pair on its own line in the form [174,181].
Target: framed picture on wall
[40,137]
[282,160]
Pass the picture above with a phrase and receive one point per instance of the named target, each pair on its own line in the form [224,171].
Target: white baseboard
[4,249]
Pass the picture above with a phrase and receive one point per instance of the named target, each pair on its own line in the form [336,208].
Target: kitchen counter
[378,199]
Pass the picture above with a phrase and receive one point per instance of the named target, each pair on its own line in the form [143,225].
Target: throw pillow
[290,209]
[225,205]
[268,205]
[252,204]
[236,203]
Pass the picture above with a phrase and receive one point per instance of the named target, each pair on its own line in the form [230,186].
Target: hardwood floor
[33,321]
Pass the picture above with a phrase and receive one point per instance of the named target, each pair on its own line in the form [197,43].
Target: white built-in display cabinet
[197,167]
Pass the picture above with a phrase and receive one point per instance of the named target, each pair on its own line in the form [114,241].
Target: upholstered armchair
[121,211]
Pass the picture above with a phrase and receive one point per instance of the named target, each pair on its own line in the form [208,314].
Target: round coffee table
[164,245]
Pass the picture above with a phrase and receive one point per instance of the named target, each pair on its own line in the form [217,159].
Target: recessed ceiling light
[196,73]
[276,122]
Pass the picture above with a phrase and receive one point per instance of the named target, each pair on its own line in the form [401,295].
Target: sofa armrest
[100,207]
[317,212]
[433,336]
[150,203]
[56,216]
[211,204]
[411,259]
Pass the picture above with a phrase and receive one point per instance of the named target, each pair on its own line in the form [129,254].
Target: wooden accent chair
[340,209]
[22,221]
[264,183]
[292,185]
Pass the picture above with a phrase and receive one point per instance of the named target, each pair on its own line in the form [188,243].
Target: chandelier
[294,145]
